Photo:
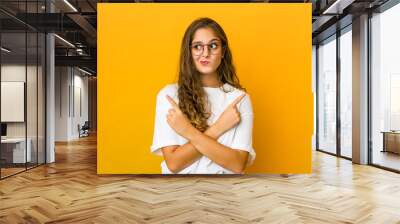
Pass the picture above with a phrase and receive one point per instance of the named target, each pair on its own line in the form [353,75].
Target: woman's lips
[204,62]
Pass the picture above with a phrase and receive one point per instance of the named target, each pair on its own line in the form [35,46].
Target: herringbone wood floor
[70,191]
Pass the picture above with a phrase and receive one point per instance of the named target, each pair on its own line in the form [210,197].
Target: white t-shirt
[238,137]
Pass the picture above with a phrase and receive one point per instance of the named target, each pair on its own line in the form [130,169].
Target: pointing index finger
[172,102]
[238,99]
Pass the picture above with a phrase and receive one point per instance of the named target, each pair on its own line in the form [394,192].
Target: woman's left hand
[177,119]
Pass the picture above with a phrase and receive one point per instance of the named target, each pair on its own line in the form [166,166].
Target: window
[346,93]
[385,88]
[327,95]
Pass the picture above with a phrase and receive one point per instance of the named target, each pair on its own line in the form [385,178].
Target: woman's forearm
[234,160]
[185,155]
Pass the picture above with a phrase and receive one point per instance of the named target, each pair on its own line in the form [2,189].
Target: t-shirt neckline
[215,88]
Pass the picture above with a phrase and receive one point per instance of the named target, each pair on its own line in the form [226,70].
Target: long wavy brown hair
[192,97]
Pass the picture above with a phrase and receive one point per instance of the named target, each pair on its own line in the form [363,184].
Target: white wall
[62,78]
[12,101]
[80,84]
[16,73]
[71,93]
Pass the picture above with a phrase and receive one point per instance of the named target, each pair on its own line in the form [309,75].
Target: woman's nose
[206,51]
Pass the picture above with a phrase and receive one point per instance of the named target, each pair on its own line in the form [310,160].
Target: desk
[391,141]
[15,148]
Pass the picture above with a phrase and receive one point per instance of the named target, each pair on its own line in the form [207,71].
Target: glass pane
[386,88]
[14,153]
[31,85]
[23,88]
[41,98]
[327,96]
[314,78]
[32,95]
[346,93]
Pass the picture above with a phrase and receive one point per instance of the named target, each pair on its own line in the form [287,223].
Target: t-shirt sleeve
[243,136]
[163,134]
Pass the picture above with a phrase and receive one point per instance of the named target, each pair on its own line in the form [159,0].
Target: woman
[204,122]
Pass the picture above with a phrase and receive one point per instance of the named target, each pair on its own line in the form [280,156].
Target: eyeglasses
[198,48]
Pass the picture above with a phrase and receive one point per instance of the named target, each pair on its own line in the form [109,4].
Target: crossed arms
[203,143]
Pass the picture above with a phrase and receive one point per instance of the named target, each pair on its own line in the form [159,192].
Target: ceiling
[76,22]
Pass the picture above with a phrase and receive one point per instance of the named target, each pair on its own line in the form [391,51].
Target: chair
[84,130]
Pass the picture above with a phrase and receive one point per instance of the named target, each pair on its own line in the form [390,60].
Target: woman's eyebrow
[196,42]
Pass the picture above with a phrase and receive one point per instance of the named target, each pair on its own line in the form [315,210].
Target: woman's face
[206,49]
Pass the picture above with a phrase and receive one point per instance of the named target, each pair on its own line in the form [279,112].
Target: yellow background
[138,52]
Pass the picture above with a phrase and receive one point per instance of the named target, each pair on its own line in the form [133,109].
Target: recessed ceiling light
[5,50]
[84,71]
[337,7]
[71,6]
[64,40]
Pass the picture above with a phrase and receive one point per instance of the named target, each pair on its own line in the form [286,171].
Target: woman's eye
[197,47]
[213,45]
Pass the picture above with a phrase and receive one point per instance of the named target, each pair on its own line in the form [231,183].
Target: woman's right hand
[230,117]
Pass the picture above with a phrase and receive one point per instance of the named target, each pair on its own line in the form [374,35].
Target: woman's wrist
[191,133]
[214,131]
